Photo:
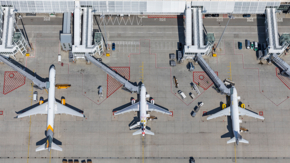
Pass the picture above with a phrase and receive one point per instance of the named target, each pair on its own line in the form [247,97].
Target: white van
[181,94]
[35,96]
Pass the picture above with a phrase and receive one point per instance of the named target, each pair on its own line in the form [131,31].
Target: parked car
[113,46]
[240,45]
[207,15]
[181,94]
[246,15]
[35,94]
[215,15]
[256,46]
[252,45]
[248,44]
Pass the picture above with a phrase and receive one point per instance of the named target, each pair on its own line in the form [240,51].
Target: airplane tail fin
[241,140]
[149,132]
[138,132]
[232,140]
[46,146]
[55,147]
[244,141]
[135,125]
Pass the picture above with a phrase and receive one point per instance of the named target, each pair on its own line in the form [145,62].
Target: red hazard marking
[204,113]
[112,84]
[172,113]
[1,112]
[261,113]
[114,112]
[284,80]
[200,78]
[12,81]
[225,15]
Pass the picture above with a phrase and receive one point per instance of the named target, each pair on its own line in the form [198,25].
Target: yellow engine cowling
[63,101]
[40,102]
[243,105]
[224,106]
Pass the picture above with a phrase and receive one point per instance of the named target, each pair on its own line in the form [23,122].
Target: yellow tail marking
[49,127]
[47,143]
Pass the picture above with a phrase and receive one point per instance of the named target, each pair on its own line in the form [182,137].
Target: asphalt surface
[143,51]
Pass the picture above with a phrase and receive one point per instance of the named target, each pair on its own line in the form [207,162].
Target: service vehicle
[248,44]
[181,94]
[256,46]
[240,45]
[113,46]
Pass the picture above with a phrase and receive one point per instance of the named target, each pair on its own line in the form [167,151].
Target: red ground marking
[200,78]
[284,80]
[204,113]
[172,113]
[225,15]
[261,113]
[12,81]
[1,112]
[112,84]
[114,112]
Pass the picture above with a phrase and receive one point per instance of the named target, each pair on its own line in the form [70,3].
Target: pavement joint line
[142,149]
[235,154]
[29,123]
[230,67]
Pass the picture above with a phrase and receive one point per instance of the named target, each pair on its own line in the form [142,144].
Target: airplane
[50,108]
[142,106]
[235,111]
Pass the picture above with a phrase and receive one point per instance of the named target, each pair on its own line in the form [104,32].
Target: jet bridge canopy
[272,34]
[127,84]
[22,71]
[194,24]
[212,75]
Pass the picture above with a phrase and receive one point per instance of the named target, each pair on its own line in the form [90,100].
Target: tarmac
[143,50]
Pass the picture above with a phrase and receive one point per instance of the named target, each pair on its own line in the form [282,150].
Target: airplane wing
[223,112]
[133,107]
[62,109]
[249,113]
[40,109]
[152,107]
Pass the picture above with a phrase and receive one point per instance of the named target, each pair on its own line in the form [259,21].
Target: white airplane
[234,111]
[50,108]
[142,106]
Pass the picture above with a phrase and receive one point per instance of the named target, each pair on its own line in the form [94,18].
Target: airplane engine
[152,101]
[41,100]
[133,101]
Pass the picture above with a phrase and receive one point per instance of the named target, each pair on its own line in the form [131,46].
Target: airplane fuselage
[142,109]
[235,114]
[50,107]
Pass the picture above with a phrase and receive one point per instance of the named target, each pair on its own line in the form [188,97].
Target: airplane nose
[52,66]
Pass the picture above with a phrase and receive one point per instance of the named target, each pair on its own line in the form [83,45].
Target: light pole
[103,17]
[230,17]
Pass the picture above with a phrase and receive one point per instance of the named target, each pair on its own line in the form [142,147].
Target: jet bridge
[127,84]
[12,40]
[194,18]
[212,75]
[83,33]
[65,36]
[21,70]
[282,65]
[272,35]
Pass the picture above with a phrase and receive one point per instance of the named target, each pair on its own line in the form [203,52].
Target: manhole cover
[201,77]
[11,75]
